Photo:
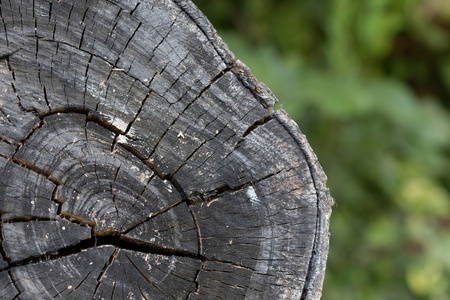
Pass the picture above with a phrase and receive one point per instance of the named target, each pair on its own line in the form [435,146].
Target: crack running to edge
[212,195]
[214,80]
[104,270]
[197,283]
[103,238]
[110,237]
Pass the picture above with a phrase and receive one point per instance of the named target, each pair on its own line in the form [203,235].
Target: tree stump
[140,160]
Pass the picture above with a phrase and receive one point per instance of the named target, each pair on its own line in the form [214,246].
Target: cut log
[140,160]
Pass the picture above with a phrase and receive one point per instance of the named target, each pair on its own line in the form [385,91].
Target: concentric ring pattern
[139,160]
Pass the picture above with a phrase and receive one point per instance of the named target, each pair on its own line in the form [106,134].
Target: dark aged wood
[140,160]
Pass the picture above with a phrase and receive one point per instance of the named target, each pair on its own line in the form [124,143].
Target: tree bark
[140,160]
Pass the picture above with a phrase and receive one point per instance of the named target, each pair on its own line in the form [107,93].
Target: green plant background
[368,82]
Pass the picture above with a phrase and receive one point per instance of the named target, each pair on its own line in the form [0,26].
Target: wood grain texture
[140,160]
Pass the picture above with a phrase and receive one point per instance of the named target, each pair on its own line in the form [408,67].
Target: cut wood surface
[140,160]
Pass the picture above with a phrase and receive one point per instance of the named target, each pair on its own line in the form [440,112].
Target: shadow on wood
[139,159]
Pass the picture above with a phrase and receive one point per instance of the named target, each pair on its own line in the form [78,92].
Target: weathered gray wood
[8,289]
[139,159]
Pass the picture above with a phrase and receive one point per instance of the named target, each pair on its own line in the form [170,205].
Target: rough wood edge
[242,72]
[316,271]
[193,12]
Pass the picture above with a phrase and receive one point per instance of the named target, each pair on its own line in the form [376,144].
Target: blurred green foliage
[368,82]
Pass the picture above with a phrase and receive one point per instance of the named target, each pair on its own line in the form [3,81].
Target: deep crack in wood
[138,158]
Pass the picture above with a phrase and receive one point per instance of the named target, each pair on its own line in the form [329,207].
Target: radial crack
[214,80]
[13,76]
[197,283]
[200,146]
[213,194]
[104,270]
[4,27]
[162,40]
[134,9]
[44,89]
[7,55]
[151,217]
[219,46]
[56,200]
[5,115]
[142,292]
[117,137]
[145,276]
[2,239]
[6,141]
[23,219]
[92,118]
[144,189]
[13,280]
[197,227]
[28,135]
[77,220]
[111,64]
[81,282]
[138,112]
[103,238]
[127,43]
[156,170]
[258,123]
[33,168]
